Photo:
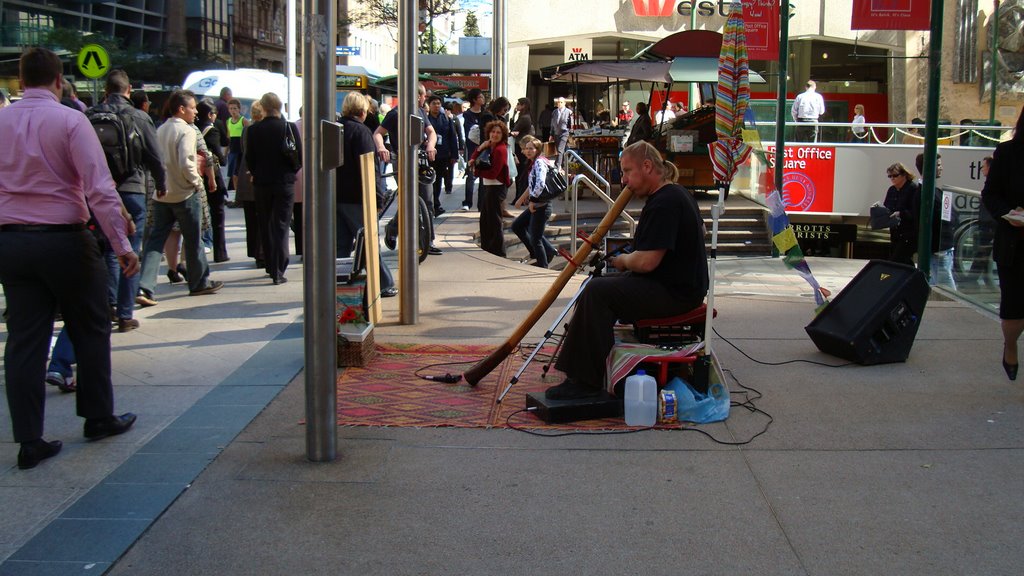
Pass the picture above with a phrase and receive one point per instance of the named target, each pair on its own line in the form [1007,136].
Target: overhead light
[824,55]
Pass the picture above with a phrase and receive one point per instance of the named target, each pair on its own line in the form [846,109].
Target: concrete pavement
[909,468]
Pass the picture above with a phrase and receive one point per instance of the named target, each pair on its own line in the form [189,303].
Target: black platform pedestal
[558,411]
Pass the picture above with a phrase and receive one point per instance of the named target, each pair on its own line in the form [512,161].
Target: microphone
[447,378]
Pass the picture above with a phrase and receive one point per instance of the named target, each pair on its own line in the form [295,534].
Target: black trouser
[39,271]
[217,200]
[625,298]
[253,231]
[274,203]
[442,177]
[491,237]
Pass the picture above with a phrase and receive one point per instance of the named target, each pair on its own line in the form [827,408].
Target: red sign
[464,82]
[656,8]
[891,15]
[808,179]
[761,23]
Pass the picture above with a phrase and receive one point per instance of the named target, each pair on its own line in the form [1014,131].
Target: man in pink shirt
[48,259]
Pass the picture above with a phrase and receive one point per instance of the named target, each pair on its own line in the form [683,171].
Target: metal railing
[889,133]
[603,191]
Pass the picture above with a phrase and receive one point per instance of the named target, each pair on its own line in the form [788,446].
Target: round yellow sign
[93,61]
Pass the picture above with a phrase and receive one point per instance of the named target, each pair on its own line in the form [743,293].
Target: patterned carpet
[388,393]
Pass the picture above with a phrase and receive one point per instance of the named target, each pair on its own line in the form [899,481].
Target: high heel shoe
[174,276]
[1011,369]
[182,271]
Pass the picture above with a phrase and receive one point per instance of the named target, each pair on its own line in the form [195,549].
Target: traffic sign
[93,61]
[347,50]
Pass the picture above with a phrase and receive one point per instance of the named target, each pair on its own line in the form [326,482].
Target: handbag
[290,149]
[483,159]
[880,218]
[555,184]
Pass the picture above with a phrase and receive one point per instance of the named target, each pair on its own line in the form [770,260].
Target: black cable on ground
[815,362]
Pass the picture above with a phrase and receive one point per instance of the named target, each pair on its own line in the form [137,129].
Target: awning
[661,71]
[605,71]
[702,70]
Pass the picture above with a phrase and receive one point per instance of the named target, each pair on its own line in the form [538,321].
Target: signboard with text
[891,15]
[808,178]
[579,50]
[761,24]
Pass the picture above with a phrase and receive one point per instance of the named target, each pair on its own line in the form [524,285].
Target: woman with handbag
[273,155]
[529,226]
[903,199]
[490,165]
[1003,197]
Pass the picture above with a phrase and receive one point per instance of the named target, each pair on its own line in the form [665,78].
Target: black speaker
[875,318]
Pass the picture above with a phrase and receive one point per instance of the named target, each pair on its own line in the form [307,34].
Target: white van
[247,85]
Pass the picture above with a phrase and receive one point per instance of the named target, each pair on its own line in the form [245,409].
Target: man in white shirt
[807,107]
[664,116]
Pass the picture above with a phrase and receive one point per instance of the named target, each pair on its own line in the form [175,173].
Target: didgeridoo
[485,366]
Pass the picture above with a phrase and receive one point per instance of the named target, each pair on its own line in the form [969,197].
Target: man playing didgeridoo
[666,274]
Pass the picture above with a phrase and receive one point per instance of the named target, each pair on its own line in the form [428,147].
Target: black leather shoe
[33,453]
[434,251]
[96,428]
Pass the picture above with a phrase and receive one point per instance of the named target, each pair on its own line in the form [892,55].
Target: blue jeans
[128,287]
[529,227]
[63,355]
[350,220]
[188,214]
[942,269]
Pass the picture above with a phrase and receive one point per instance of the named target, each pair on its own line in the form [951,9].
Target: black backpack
[120,139]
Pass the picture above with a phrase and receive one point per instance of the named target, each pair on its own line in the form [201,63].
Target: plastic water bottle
[641,402]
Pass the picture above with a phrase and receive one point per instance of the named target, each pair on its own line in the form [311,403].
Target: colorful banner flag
[761,24]
[891,15]
[785,242]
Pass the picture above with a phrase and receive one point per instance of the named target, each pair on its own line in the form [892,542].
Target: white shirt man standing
[807,107]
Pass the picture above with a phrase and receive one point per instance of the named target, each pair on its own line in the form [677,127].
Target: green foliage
[472,29]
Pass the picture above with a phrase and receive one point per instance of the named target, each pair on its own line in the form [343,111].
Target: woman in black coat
[1003,195]
[273,181]
[206,121]
[903,199]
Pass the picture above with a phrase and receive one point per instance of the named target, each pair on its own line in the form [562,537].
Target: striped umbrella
[732,96]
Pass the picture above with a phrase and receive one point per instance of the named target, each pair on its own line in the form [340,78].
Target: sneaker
[145,300]
[127,324]
[464,209]
[569,390]
[65,384]
[389,292]
[434,250]
[214,286]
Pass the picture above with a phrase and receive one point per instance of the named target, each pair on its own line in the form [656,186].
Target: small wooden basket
[356,349]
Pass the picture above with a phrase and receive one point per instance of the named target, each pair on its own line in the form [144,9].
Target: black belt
[42,227]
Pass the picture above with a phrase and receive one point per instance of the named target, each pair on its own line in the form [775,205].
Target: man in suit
[560,117]
[48,259]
